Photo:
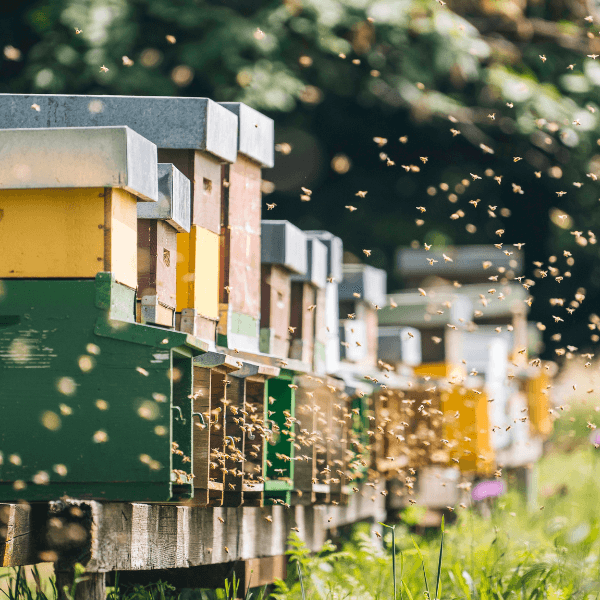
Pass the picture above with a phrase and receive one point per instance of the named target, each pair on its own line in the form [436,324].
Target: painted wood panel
[52,233]
[198,272]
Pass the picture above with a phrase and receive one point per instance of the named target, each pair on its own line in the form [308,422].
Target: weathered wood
[234,448]
[201,433]
[124,536]
[15,530]
[254,441]
[92,588]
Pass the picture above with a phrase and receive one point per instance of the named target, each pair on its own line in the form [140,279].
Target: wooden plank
[125,536]
[254,441]
[122,231]
[234,448]
[201,433]
[264,571]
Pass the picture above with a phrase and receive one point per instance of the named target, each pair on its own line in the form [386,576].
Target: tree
[473,86]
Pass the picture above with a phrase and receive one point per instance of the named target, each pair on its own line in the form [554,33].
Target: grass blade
[393,528]
[423,565]
[439,572]
[401,574]
[410,596]
[301,580]
[394,558]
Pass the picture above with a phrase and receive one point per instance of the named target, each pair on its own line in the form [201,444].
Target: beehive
[158,225]
[240,270]
[283,254]
[327,341]
[69,201]
[308,303]
[196,135]
[116,390]
[470,431]
[280,414]
[540,422]
[361,294]
[216,449]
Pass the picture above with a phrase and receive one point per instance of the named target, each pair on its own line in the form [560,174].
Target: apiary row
[157,340]
[160,342]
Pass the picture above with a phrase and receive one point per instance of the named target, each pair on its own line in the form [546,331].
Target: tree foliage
[335,74]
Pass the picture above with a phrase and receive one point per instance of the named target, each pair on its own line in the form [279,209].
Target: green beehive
[90,406]
[280,400]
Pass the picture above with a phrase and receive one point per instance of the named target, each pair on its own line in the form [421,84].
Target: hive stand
[283,254]
[239,304]
[196,135]
[100,408]
[188,546]
[158,225]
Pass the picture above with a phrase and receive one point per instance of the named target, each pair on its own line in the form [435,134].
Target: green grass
[548,554]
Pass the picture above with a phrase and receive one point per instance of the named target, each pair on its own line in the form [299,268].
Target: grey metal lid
[169,122]
[79,157]
[174,199]
[256,133]
[284,244]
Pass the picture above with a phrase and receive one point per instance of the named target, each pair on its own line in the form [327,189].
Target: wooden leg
[93,588]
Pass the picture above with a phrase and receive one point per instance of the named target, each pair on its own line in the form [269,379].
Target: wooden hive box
[218,446]
[254,430]
[470,431]
[431,314]
[283,254]
[327,340]
[73,193]
[320,441]
[196,135]
[280,417]
[538,402]
[361,294]
[308,304]
[158,226]
[69,201]
[240,271]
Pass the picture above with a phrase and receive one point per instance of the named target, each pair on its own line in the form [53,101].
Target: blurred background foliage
[335,74]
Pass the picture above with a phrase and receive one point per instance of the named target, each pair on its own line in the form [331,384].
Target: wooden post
[92,588]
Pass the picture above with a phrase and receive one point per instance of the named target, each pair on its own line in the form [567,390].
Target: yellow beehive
[539,418]
[68,204]
[467,429]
